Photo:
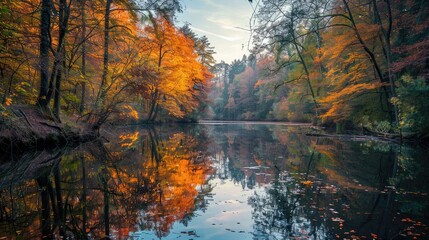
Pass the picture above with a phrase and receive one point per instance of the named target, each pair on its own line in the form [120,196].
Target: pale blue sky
[220,21]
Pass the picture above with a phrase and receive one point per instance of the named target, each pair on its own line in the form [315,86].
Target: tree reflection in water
[342,195]
[143,181]
[325,188]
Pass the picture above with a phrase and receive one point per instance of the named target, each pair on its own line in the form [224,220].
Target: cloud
[229,19]
[212,4]
[231,39]
[224,22]
[221,21]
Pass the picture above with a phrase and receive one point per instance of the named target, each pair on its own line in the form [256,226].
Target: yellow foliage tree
[179,76]
[350,72]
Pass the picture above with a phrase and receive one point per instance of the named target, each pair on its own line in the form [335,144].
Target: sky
[222,21]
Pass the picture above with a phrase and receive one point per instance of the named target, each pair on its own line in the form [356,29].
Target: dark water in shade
[217,181]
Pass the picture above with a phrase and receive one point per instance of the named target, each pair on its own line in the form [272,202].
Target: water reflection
[216,182]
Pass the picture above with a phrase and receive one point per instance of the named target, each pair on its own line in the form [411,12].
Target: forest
[93,58]
[349,64]
[118,120]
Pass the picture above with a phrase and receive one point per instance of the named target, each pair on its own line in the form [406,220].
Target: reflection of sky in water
[268,182]
[228,216]
[311,198]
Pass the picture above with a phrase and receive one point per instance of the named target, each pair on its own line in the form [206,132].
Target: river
[217,181]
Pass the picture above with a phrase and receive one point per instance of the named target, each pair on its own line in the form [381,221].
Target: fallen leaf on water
[307,183]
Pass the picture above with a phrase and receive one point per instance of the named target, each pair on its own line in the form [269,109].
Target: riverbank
[24,127]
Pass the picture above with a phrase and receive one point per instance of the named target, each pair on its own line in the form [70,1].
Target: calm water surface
[217,181]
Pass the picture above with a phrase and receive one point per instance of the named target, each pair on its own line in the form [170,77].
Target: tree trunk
[59,64]
[106,200]
[83,57]
[58,194]
[374,61]
[45,21]
[84,190]
[82,98]
[307,73]
[57,96]
[388,54]
[63,16]
[388,33]
[153,103]
[103,89]
[6,93]
[155,114]
[46,210]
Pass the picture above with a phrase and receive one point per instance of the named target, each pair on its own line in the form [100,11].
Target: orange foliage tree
[350,72]
[90,52]
[175,76]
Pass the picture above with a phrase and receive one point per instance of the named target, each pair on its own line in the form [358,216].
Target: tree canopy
[98,58]
[347,62]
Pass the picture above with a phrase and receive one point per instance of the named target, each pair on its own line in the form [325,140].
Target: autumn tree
[92,53]
[284,29]
[17,61]
[372,37]
[349,52]
[105,81]
[368,47]
[255,94]
[205,52]
[177,75]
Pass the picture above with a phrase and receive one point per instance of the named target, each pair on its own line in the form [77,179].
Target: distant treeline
[349,63]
